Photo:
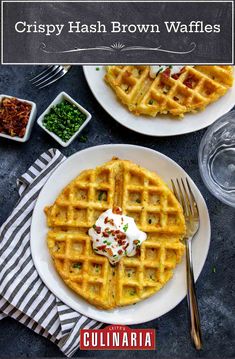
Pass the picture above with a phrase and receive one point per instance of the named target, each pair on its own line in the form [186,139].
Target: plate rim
[85,71]
[50,287]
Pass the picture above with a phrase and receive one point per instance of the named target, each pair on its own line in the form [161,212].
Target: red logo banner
[118,337]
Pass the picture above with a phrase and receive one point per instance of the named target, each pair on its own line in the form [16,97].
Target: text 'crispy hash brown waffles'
[142,195]
[189,91]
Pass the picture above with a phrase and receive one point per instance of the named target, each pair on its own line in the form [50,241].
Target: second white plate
[161,125]
[173,292]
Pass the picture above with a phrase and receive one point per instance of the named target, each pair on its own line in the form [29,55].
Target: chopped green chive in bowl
[64,120]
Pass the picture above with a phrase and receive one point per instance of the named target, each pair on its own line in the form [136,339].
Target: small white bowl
[61,97]
[29,124]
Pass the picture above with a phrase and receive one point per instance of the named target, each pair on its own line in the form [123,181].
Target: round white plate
[162,125]
[174,291]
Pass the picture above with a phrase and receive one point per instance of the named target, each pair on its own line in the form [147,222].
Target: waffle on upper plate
[189,91]
[142,195]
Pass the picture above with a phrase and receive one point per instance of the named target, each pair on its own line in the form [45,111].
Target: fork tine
[175,191]
[51,77]
[179,198]
[182,198]
[39,79]
[61,74]
[187,199]
[44,72]
[193,200]
[47,75]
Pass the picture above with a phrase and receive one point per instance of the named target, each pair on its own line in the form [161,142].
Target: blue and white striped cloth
[23,295]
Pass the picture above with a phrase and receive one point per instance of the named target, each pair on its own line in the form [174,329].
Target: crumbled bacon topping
[97,229]
[14,116]
[109,251]
[102,248]
[166,73]
[117,210]
[121,236]
[189,82]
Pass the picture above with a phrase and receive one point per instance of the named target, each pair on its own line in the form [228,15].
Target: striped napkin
[23,296]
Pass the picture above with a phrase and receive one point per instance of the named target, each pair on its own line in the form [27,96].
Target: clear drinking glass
[217,158]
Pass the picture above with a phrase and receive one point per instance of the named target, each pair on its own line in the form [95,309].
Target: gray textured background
[210,47]
[215,290]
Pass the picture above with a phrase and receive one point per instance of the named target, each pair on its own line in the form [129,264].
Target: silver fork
[50,75]
[184,194]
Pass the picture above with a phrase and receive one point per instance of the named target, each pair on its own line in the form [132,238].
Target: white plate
[174,291]
[162,125]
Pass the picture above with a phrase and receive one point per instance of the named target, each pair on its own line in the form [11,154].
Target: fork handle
[195,326]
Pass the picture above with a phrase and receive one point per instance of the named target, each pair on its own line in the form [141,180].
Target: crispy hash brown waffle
[189,91]
[142,195]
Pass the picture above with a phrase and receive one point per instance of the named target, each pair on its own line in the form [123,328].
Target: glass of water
[217,158]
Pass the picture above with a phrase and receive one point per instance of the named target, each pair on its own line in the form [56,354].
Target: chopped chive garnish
[160,70]
[77,265]
[132,292]
[102,196]
[83,138]
[125,228]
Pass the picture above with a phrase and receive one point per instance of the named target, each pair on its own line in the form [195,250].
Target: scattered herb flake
[77,265]
[125,228]
[83,138]
[97,69]
[213,269]
[102,196]
[160,70]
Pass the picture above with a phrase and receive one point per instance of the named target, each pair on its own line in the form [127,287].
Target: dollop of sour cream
[156,69]
[115,235]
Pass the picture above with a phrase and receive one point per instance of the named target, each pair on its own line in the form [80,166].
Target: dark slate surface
[215,290]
